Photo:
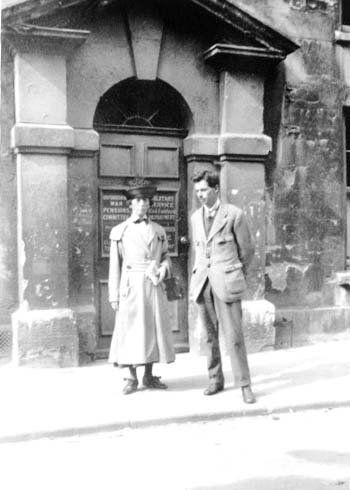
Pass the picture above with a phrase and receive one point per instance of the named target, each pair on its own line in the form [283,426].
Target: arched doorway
[142,125]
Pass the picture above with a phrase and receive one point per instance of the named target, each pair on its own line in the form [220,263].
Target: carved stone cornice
[233,55]
[253,31]
[27,37]
[247,25]
[33,9]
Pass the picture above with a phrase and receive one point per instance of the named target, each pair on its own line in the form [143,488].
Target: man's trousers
[214,314]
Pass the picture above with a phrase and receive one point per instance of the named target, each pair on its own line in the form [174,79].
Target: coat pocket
[225,239]
[234,279]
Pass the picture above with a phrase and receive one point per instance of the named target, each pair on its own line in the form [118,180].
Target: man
[139,262]
[223,249]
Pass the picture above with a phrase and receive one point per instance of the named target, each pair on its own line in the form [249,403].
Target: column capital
[53,139]
[227,146]
[244,147]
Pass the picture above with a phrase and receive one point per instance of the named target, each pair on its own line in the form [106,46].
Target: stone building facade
[98,93]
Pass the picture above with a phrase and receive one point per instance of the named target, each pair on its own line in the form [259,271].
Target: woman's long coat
[142,332]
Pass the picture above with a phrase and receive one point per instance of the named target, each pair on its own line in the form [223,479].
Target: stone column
[242,151]
[44,327]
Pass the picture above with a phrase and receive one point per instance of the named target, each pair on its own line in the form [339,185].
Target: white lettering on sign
[115,209]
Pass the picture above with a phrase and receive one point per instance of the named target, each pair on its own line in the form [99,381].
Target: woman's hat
[140,188]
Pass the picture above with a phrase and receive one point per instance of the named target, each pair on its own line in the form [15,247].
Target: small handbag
[173,288]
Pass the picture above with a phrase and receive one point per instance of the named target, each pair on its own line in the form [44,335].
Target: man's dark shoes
[248,395]
[130,386]
[213,388]
[153,383]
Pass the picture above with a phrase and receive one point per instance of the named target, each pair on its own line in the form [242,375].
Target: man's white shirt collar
[212,211]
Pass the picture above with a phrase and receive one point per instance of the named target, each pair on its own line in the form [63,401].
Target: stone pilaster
[239,152]
[44,327]
[242,152]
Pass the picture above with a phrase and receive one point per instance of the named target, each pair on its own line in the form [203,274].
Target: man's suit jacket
[224,255]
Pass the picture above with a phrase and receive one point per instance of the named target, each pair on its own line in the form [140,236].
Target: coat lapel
[151,233]
[219,221]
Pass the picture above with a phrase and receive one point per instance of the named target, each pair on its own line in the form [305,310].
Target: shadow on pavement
[298,375]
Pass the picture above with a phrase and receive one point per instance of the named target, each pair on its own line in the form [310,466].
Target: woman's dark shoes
[130,386]
[248,395]
[153,383]
[213,388]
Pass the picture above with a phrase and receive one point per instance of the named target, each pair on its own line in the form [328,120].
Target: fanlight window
[142,103]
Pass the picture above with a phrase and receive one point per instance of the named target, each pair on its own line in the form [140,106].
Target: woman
[139,263]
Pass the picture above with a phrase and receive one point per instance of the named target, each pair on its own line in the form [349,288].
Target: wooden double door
[156,156]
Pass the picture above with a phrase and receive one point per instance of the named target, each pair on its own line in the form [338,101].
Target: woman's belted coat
[142,332]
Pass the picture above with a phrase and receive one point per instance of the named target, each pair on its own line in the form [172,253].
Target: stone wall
[306,220]
[8,217]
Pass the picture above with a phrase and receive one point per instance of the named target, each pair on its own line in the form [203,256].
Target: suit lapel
[219,221]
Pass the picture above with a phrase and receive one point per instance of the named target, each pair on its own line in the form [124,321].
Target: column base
[301,326]
[258,325]
[45,338]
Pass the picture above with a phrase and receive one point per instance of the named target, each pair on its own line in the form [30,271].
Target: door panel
[161,161]
[158,158]
[123,154]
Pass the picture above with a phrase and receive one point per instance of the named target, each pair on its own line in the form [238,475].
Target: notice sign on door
[114,210]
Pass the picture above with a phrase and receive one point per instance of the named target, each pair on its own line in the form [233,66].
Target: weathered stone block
[314,323]
[258,324]
[45,338]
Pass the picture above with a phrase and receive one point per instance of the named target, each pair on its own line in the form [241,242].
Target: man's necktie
[208,221]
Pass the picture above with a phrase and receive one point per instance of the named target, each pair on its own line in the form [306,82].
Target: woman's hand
[161,273]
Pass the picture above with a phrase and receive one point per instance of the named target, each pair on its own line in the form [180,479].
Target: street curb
[182,419]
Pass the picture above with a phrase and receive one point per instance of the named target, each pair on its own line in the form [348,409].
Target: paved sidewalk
[38,403]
